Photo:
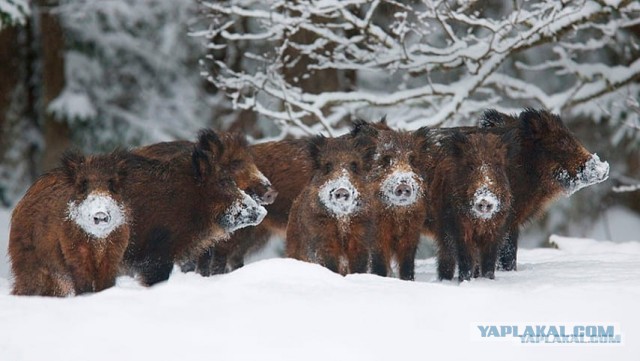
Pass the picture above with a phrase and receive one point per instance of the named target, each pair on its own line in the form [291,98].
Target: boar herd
[354,204]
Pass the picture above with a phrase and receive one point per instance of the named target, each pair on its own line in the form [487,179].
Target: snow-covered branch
[441,63]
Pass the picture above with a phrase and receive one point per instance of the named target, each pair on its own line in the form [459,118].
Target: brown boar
[551,162]
[182,206]
[237,159]
[332,221]
[287,164]
[69,232]
[399,201]
[470,202]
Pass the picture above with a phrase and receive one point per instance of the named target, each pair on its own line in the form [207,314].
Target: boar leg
[488,256]
[509,250]
[203,265]
[158,262]
[378,263]
[465,261]
[219,261]
[406,260]
[446,257]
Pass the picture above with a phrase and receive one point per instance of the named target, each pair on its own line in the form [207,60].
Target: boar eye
[412,159]
[84,185]
[112,185]
[386,160]
[328,167]
[354,167]
[227,182]
[236,164]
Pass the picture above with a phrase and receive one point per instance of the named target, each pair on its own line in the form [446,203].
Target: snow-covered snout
[98,214]
[242,213]
[401,188]
[339,196]
[593,171]
[485,203]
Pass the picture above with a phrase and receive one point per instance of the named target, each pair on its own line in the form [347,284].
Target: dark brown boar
[551,162]
[237,159]
[332,221]
[470,202]
[287,164]
[399,199]
[182,206]
[69,232]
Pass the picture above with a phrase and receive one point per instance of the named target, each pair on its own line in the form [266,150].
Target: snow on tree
[131,72]
[13,12]
[421,62]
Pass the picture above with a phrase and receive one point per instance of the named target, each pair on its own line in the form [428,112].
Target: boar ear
[362,127]
[365,136]
[71,160]
[208,140]
[422,132]
[512,143]
[421,138]
[492,118]
[240,140]
[367,147]
[458,143]
[315,145]
[201,163]
[536,123]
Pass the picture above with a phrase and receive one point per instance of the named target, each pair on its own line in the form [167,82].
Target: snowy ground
[281,309]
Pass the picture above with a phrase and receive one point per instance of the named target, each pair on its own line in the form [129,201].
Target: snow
[17,12]
[342,206]
[71,105]
[282,309]
[595,171]
[244,212]
[98,214]
[396,178]
[483,196]
[617,224]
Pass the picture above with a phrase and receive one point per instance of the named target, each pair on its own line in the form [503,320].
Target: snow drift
[282,309]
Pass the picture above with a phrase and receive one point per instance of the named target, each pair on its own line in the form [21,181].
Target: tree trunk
[56,134]
[10,75]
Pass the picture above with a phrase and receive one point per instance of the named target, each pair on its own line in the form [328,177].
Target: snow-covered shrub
[132,72]
[13,12]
